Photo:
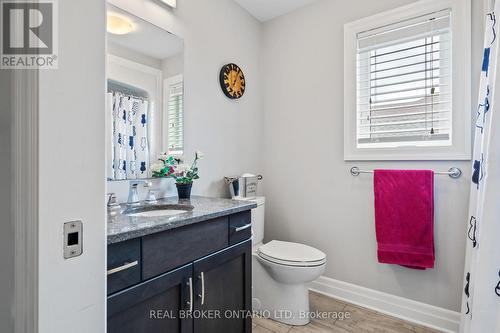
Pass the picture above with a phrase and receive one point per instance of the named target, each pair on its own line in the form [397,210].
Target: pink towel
[404,217]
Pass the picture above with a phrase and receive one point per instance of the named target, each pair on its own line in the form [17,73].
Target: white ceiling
[146,38]
[265,10]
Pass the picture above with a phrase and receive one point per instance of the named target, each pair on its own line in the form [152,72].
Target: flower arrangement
[174,166]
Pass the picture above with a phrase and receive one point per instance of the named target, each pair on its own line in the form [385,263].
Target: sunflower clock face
[232,81]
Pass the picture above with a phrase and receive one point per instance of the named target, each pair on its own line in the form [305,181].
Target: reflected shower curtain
[481,299]
[130,137]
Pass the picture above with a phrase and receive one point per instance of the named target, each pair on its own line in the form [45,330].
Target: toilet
[281,272]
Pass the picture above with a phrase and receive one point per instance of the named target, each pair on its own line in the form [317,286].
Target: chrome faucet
[113,206]
[133,196]
[151,197]
[112,200]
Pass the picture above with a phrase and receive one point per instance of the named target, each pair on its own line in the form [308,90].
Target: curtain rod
[128,95]
[453,172]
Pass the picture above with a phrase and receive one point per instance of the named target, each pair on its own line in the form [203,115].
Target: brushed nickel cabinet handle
[246,226]
[202,295]
[126,266]
[190,303]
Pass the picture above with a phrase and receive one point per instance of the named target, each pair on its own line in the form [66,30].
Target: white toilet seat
[292,263]
[291,254]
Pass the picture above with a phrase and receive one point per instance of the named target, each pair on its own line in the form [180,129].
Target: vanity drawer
[167,250]
[124,265]
[240,227]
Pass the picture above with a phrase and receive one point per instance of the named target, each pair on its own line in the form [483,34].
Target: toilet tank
[258,220]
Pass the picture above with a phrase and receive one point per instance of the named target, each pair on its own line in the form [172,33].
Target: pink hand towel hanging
[404,217]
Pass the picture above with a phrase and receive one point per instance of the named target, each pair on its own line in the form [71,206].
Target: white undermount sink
[158,210]
[158,213]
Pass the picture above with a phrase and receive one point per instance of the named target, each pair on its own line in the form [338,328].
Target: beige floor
[360,320]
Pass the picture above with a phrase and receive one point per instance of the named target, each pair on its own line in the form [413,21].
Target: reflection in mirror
[145,100]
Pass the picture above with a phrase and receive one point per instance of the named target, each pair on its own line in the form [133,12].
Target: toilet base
[294,312]
[286,303]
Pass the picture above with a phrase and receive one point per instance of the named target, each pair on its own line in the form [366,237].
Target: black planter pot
[184,190]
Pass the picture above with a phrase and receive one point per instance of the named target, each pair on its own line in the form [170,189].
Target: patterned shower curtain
[481,300]
[130,137]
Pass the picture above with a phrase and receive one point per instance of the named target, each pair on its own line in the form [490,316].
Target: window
[175,115]
[404,104]
[404,84]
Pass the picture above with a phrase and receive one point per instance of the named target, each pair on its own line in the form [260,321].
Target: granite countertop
[123,227]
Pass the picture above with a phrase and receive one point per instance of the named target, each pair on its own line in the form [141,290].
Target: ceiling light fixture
[119,25]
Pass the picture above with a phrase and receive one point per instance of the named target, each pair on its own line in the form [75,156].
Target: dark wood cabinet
[224,289]
[240,227]
[188,274]
[154,306]
[124,265]
[166,250]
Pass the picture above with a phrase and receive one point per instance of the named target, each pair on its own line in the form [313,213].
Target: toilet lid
[289,253]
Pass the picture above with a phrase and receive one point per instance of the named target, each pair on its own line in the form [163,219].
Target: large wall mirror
[145,95]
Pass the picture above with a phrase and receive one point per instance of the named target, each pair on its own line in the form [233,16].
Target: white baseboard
[403,308]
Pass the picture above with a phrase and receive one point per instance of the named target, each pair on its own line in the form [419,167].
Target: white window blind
[404,83]
[176,117]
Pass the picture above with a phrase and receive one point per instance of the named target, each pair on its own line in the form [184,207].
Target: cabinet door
[223,284]
[155,306]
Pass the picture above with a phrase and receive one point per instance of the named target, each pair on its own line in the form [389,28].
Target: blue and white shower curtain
[481,299]
[130,147]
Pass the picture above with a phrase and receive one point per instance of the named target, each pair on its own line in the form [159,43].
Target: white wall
[6,221]
[71,173]
[129,54]
[229,132]
[139,79]
[312,198]
[173,65]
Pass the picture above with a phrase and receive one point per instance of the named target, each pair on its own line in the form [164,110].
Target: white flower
[181,169]
[199,154]
[157,167]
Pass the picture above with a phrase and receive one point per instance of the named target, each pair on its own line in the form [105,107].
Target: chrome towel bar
[453,172]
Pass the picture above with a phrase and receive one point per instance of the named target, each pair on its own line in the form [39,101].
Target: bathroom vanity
[190,272]
[173,266]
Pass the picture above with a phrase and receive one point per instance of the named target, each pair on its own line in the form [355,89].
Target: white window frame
[461,148]
[166,93]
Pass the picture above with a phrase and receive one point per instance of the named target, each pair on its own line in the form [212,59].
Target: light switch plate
[73,239]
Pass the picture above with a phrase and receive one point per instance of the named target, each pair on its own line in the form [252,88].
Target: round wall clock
[232,81]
